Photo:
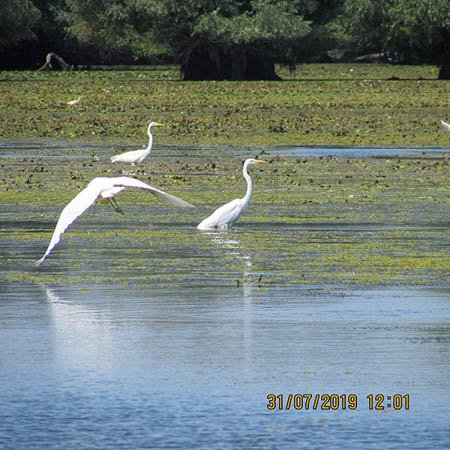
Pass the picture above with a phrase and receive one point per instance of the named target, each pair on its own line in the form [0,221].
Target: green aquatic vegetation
[262,245]
[116,106]
[353,221]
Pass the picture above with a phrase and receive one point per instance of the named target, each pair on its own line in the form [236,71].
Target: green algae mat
[312,220]
[369,221]
[318,105]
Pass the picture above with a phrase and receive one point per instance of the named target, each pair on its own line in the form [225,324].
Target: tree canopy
[17,19]
[221,33]
[228,39]
[418,30]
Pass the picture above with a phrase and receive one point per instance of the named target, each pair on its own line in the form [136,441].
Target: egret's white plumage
[445,125]
[75,102]
[106,188]
[226,215]
[137,156]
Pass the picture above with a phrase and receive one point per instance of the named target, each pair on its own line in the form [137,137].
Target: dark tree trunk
[236,64]
[444,72]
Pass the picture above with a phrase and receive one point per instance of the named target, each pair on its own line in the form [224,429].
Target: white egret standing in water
[445,125]
[106,188]
[226,215]
[137,156]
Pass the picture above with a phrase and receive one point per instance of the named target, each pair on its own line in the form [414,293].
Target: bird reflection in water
[233,248]
[81,335]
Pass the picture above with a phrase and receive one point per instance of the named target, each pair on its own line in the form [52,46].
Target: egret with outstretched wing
[226,215]
[137,156]
[106,188]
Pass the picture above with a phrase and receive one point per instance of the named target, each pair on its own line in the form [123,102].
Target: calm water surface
[120,367]
[375,152]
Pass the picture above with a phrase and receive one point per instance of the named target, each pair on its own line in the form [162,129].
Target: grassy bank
[316,105]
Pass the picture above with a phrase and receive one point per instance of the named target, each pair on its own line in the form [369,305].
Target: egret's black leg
[113,202]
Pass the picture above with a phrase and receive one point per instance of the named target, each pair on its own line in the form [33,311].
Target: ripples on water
[142,368]
[174,340]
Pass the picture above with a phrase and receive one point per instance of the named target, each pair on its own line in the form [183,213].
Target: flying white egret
[106,188]
[226,215]
[445,125]
[137,156]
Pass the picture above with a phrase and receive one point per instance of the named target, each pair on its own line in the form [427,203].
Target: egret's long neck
[150,140]
[249,184]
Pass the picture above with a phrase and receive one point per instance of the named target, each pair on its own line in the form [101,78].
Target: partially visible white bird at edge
[445,125]
[224,217]
[76,101]
[106,188]
[137,156]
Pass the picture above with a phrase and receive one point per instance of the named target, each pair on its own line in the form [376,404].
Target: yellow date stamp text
[334,402]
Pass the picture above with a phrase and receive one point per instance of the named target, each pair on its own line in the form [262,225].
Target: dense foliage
[17,20]
[414,30]
[222,37]
[226,39]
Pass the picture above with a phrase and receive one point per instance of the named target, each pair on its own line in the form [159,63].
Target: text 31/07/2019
[376,402]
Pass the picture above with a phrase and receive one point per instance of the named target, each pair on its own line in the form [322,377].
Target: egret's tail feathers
[204,227]
[207,226]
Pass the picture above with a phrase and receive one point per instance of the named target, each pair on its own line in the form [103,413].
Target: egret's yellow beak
[157,124]
[259,161]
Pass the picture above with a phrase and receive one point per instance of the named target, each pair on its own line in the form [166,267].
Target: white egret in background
[226,215]
[137,156]
[76,101]
[106,188]
[445,125]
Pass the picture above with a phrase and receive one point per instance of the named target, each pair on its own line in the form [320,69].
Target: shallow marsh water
[140,332]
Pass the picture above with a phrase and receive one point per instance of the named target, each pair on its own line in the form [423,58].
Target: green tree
[417,29]
[228,39]
[17,19]
[319,13]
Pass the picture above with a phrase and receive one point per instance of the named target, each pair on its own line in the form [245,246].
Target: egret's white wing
[71,212]
[132,182]
[111,192]
[445,125]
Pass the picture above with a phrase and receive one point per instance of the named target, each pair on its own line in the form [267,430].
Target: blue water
[128,367]
[377,152]
[72,150]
